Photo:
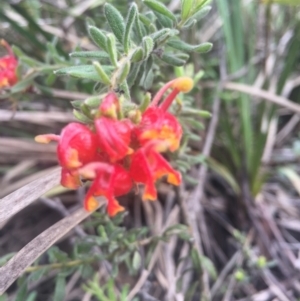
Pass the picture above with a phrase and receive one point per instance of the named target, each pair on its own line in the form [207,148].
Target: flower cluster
[8,65]
[117,153]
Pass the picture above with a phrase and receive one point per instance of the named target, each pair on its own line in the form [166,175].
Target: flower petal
[110,106]
[114,137]
[69,180]
[147,166]
[77,146]
[161,125]
[110,181]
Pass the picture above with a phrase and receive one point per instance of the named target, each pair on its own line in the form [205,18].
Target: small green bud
[240,275]
[261,262]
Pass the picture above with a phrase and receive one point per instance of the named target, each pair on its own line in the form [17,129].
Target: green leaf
[22,291]
[147,78]
[148,46]
[203,48]
[83,71]
[76,104]
[139,29]
[208,265]
[133,11]
[24,84]
[102,74]
[194,123]
[137,55]
[90,54]
[122,72]
[81,117]
[86,271]
[111,289]
[125,88]
[225,173]
[180,45]
[293,177]
[200,113]
[133,74]
[5,297]
[201,3]
[190,24]
[198,15]
[32,296]
[196,260]
[92,102]
[115,21]
[160,8]
[97,36]
[186,8]
[163,20]
[60,287]
[136,260]
[112,49]
[124,293]
[146,21]
[163,34]
[172,60]
[37,275]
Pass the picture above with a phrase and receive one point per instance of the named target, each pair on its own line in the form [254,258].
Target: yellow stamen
[183,84]
[42,139]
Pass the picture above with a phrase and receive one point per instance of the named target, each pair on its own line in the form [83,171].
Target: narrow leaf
[159,7]
[115,21]
[163,20]
[112,49]
[98,37]
[81,117]
[90,54]
[172,60]
[102,74]
[137,55]
[128,28]
[93,101]
[83,71]
[136,260]
[180,45]
[203,48]
[148,46]
[186,8]
[198,15]
[133,74]
[122,72]
[60,288]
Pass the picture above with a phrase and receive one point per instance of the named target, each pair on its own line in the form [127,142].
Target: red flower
[114,137]
[8,65]
[110,181]
[121,152]
[147,166]
[77,146]
[110,106]
[158,124]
